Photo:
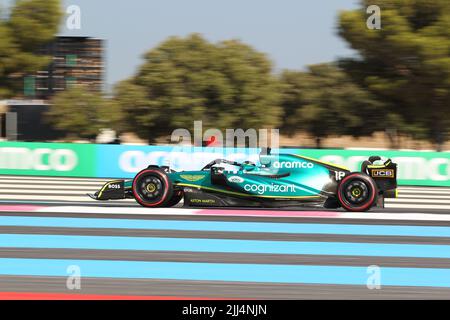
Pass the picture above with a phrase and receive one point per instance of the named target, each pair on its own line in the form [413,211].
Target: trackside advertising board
[48,159]
[415,168]
[124,161]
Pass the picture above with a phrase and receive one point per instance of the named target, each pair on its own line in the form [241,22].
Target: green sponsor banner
[415,168]
[48,159]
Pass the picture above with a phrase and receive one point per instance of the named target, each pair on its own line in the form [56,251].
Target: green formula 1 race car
[280,180]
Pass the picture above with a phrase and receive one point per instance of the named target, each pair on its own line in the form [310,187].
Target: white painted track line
[118,210]
[424,190]
[396,216]
[42,198]
[45,191]
[49,187]
[185,212]
[431,201]
[419,206]
[24,183]
[420,192]
[28,178]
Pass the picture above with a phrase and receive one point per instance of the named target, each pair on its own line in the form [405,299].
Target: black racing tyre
[176,197]
[152,188]
[357,192]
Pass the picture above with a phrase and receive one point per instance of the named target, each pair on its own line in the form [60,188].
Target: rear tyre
[152,188]
[357,192]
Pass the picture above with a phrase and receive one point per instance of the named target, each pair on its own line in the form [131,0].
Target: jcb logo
[383,173]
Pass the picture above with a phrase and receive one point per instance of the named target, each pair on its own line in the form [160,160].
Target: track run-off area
[52,237]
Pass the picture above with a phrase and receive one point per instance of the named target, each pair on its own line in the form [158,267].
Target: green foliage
[324,101]
[31,24]
[81,113]
[34,22]
[139,114]
[407,62]
[226,85]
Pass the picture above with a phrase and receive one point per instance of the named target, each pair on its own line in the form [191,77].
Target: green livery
[278,180]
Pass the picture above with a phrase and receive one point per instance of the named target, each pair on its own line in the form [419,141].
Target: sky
[294,33]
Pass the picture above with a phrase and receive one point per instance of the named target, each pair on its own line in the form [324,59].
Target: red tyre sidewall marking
[368,204]
[163,198]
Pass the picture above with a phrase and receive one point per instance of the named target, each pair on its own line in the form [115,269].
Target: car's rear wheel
[152,188]
[357,192]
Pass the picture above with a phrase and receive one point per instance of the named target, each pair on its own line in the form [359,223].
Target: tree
[81,113]
[31,25]
[324,101]
[226,85]
[407,62]
[139,114]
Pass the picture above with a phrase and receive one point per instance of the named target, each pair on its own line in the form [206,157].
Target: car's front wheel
[152,188]
[357,192]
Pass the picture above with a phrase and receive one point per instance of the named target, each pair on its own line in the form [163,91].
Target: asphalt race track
[50,231]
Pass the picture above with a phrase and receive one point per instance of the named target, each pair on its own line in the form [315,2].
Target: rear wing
[385,175]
